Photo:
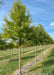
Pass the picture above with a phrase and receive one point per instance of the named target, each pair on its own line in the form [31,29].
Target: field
[9,61]
[44,67]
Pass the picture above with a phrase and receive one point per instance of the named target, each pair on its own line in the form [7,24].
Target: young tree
[39,36]
[16,27]
[34,38]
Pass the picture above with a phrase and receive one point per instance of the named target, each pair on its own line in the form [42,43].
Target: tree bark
[19,58]
[41,48]
[36,53]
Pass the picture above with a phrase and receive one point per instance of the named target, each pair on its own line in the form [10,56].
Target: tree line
[37,36]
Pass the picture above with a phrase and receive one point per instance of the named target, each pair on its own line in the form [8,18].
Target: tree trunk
[11,51]
[36,53]
[41,48]
[19,59]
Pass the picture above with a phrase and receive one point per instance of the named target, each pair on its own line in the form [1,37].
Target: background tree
[10,45]
[2,43]
[39,36]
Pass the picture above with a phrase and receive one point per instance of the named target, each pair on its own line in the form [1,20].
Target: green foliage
[10,45]
[17,26]
[28,43]
[40,36]
[2,43]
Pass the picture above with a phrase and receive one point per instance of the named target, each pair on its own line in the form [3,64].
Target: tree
[2,43]
[33,37]
[10,45]
[16,27]
[39,37]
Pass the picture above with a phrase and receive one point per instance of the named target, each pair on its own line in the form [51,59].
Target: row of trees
[37,36]
[17,27]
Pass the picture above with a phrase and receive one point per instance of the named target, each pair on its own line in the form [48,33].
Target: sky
[42,11]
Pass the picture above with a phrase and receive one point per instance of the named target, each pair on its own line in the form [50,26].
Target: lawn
[6,55]
[46,66]
[9,67]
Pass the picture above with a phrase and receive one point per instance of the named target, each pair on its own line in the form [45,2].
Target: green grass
[11,66]
[14,51]
[7,57]
[7,54]
[46,66]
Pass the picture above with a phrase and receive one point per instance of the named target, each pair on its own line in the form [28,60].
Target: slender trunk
[41,48]
[11,51]
[19,59]
[23,53]
[36,53]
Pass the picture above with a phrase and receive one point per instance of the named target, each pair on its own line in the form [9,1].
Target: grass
[13,53]
[7,54]
[16,55]
[11,66]
[46,66]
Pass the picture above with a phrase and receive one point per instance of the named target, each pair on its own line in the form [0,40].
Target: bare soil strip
[25,68]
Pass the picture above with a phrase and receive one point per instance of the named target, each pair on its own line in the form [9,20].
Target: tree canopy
[17,27]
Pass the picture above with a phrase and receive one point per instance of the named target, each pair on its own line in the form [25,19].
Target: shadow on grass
[27,56]
[24,58]
[48,62]
[7,57]
[50,59]
[47,66]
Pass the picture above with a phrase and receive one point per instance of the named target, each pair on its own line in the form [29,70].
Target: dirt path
[28,65]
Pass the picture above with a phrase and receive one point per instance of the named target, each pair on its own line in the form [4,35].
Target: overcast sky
[42,11]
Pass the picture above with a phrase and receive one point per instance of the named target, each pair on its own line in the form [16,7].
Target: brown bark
[36,53]
[41,48]
[19,58]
